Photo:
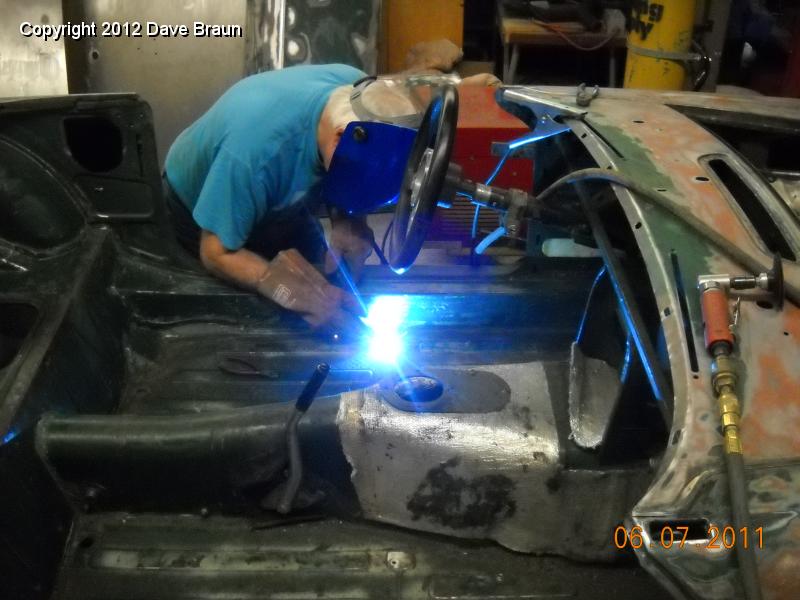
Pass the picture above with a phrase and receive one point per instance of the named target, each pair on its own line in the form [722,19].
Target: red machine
[480,122]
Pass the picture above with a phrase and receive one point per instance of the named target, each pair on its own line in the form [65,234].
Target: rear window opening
[767,151]
[770,144]
[762,222]
[95,143]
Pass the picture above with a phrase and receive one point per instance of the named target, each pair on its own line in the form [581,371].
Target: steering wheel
[424,178]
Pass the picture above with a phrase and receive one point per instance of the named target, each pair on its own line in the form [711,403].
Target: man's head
[333,121]
[383,101]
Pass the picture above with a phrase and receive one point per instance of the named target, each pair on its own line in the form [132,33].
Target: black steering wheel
[424,178]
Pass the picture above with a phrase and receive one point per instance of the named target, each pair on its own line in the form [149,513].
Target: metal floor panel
[170,557]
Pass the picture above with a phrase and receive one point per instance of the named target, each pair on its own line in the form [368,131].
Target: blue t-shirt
[255,151]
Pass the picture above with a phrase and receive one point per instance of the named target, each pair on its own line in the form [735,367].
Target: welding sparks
[385,317]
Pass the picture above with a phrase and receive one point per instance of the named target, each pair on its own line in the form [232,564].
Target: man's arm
[242,267]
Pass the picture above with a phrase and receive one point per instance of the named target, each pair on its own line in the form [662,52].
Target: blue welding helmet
[367,168]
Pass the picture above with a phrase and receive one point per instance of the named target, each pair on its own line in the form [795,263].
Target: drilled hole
[661,189]
[638,121]
[86,542]
[701,178]
[667,311]
[638,225]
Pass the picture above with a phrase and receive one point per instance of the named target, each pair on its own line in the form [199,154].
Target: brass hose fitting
[720,342]
[724,380]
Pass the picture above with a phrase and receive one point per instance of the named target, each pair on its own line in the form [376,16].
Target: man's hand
[351,241]
[288,279]
[292,282]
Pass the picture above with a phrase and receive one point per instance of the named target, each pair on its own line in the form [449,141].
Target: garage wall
[180,77]
[314,32]
[30,66]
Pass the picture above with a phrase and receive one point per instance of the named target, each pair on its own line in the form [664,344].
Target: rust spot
[459,502]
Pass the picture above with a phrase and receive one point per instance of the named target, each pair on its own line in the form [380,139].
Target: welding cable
[489,181]
[379,253]
[560,33]
[386,237]
[726,246]
[490,239]
[474,231]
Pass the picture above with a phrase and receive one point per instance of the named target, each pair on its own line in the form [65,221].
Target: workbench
[516,32]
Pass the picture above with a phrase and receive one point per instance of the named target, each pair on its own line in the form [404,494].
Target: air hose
[712,235]
[719,342]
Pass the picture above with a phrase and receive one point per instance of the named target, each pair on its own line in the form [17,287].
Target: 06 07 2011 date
[716,537]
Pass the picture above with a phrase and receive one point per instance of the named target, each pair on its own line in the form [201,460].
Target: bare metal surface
[594,388]
[285,33]
[491,475]
[30,66]
[493,461]
[789,189]
[180,77]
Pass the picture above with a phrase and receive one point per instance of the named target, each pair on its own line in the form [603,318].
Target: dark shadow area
[94,142]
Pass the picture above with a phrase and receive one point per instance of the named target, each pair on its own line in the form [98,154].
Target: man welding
[241,185]
[242,182]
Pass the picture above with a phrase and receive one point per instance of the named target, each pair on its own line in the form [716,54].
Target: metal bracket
[584,97]
[550,114]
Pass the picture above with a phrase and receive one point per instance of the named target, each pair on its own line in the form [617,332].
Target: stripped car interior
[165,435]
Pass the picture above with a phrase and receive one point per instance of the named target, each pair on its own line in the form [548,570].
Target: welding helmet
[367,168]
[397,99]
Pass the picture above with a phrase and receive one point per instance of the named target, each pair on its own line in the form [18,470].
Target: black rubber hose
[746,556]
[292,441]
[728,247]
[311,388]
[164,462]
